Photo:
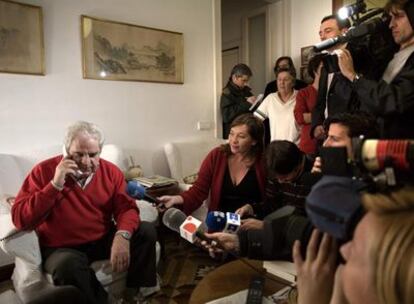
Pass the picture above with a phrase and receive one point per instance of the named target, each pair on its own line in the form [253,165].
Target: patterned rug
[181,267]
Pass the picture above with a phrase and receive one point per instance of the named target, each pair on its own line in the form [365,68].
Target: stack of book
[155,181]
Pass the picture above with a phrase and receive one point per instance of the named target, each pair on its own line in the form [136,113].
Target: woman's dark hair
[282,157]
[314,63]
[255,130]
[239,70]
[289,59]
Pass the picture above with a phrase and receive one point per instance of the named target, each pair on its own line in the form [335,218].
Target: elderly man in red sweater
[72,201]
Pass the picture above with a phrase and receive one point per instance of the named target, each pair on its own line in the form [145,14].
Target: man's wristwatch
[125,234]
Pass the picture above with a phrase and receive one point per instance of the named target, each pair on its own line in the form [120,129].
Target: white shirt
[397,63]
[281,119]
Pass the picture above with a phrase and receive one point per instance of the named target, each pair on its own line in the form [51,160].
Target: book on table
[281,269]
[155,181]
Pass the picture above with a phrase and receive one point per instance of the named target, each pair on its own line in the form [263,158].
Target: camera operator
[334,90]
[340,129]
[391,98]
[379,260]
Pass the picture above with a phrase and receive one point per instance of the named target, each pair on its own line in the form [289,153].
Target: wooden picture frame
[21,38]
[114,50]
[304,75]
[305,54]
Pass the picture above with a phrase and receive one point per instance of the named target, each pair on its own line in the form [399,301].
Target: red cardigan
[74,215]
[210,181]
[305,102]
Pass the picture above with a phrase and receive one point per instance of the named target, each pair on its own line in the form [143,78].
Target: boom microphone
[138,191]
[225,222]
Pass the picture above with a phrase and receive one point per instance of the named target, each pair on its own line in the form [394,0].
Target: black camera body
[334,204]
[370,42]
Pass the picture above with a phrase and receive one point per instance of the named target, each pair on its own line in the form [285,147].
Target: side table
[172,189]
[231,278]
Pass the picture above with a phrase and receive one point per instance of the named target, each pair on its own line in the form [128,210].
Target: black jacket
[393,103]
[233,103]
[340,98]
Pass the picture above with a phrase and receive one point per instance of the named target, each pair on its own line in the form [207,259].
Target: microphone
[225,222]
[138,191]
[187,226]
[256,103]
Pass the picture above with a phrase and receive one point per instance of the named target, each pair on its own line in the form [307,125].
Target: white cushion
[184,158]
[115,155]
[9,297]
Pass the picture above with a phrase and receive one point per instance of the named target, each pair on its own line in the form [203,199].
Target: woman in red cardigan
[232,174]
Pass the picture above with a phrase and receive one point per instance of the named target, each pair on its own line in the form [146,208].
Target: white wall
[292,24]
[306,16]
[139,116]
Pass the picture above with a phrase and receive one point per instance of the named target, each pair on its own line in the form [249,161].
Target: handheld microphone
[256,103]
[187,226]
[225,222]
[138,191]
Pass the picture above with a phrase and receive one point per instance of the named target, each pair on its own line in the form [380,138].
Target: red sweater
[210,181]
[74,215]
[305,102]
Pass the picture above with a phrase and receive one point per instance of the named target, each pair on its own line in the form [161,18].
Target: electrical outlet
[203,125]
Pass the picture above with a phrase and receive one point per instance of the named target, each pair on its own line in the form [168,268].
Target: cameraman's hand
[251,224]
[317,165]
[316,273]
[346,64]
[221,241]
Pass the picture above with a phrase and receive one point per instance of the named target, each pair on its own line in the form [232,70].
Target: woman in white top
[279,106]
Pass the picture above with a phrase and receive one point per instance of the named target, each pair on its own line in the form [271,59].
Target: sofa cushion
[184,158]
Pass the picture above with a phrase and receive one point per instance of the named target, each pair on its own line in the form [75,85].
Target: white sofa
[184,159]
[23,248]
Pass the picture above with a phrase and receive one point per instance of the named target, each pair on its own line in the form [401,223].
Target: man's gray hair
[83,127]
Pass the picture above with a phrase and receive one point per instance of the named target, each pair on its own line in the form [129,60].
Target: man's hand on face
[120,254]
[65,167]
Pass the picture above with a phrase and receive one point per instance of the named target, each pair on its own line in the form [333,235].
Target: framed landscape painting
[21,38]
[119,51]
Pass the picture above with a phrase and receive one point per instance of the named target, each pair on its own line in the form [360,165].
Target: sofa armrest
[22,244]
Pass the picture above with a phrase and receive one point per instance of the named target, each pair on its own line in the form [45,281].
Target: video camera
[380,163]
[334,204]
[370,40]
